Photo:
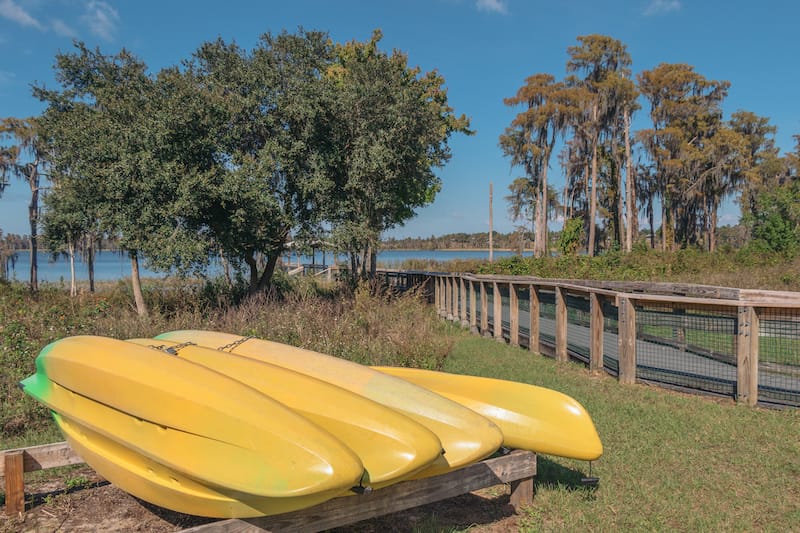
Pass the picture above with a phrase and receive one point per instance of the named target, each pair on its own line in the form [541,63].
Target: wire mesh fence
[779,356]
[677,343]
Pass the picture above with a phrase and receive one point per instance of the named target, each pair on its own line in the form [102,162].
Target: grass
[671,461]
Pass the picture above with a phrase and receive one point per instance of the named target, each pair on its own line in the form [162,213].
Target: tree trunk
[269,270]
[712,230]
[622,229]
[33,215]
[251,262]
[73,288]
[592,201]
[651,217]
[90,261]
[543,213]
[136,282]
[630,187]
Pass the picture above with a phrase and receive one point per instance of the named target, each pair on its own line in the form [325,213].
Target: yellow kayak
[531,418]
[466,436]
[163,486]
[390,445]
[193,421]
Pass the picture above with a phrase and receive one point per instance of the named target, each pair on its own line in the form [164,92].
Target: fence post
[473,308]
[497,315]
[15,483]
[627,340]
[453,298]
[463,306]
[561,324]
[484,310]
[596,332]
[747,356]
[513,314]
[533,318]
[448,301]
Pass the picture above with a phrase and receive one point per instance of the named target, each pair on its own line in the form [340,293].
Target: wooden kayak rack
[518,468]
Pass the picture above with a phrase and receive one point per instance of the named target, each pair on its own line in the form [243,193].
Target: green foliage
[571,236]
[775,221]
[392,125]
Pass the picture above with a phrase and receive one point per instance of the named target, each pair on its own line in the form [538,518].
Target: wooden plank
[497,314]
[464,300]
[14,469]
[484,309]
[627,341]
[513,313]
[521,494]
[473,307]
[561,324]
[596,321]
[45,456]
[533,308]
[517,465]
[747,356]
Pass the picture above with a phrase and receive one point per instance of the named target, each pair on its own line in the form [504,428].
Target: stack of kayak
[220,425]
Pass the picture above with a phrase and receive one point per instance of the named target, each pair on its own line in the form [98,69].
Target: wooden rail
[517,468]
[465,298]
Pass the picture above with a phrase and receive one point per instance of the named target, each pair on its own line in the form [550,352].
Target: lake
[113,265]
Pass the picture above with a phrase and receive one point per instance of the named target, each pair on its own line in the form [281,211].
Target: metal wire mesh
[779,356]
[687,346]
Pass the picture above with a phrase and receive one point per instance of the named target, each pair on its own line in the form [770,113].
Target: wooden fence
[717,331]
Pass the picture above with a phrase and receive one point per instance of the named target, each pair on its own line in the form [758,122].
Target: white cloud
[101,18]
[492,6]
[659,7]
[61,28]
[15,13]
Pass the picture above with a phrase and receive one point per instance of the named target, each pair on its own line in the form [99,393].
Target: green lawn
[671,461]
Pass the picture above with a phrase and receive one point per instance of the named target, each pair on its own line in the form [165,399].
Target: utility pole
[491,230]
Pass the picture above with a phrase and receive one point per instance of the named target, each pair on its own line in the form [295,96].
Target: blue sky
[483,48]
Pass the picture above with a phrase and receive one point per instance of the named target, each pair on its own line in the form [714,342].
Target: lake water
[113,266]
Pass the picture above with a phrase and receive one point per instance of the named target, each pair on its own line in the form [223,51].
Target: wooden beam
[484,309]
[513,314]
[473,307]
[561,324]
[14,469]
[518,466]
[45,456]
[627,341]
[596,323]
[463,301]
[747,356]
[497,314]
[533,308]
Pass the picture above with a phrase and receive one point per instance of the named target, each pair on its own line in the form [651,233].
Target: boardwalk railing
[735,342]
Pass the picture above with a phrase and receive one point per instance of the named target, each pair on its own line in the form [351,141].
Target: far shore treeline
[301,142]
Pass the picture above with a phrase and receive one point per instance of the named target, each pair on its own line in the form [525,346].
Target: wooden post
[15,482]
[596,332]
[463,307]
[497,315]
[513,314]
[473,308]
[561,324]
[533,311]
[484,309]
[455,296]
[627,340]
[437,294]
[747,356]
[448,296]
